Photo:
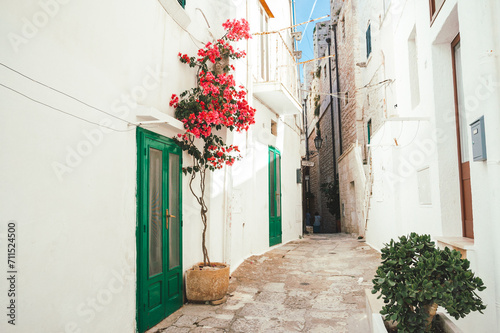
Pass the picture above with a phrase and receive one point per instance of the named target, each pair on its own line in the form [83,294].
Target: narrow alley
[161,161]
[315,284]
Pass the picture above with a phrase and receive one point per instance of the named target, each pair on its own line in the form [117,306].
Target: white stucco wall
[71,185]
[431,143]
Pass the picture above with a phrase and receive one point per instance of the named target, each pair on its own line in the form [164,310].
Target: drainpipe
[305,203]
[306,128]
[329,41]
[338,85]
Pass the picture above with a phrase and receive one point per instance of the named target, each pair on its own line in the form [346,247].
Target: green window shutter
[369,125]
[182,3]
[368,41]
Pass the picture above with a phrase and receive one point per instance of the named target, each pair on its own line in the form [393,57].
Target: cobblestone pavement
[315,284]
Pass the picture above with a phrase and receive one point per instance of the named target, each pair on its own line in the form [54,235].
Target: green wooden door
[274,197]
[159,229]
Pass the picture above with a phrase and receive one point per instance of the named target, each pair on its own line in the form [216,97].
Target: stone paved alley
[315,284]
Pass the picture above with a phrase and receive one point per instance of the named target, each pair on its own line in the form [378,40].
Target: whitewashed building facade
[433,169]
[84,100]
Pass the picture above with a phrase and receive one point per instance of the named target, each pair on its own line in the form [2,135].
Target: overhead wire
[414,137]
[63,93]
[341,94]
[286,28]
[72,97]
[315,59]
[288,49]
[62,111]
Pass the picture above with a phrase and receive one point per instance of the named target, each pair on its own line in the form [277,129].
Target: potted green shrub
[415,278]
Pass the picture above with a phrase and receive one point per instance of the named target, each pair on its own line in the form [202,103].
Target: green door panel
[159,228]
[275,230]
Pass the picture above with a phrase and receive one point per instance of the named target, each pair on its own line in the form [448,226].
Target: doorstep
[460,244]
[165,323]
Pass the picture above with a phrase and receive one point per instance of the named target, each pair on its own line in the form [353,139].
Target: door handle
[168,216]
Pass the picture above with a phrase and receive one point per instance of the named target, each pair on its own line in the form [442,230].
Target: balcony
[275,76]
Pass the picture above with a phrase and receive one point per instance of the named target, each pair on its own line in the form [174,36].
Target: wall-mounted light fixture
[318,141]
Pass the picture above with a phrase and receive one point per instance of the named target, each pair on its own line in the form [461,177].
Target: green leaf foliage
[415,274]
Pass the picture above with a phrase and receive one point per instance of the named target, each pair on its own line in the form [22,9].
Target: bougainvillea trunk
[220,66]
[203,211]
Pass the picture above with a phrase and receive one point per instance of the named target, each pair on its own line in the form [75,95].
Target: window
[274,128]
[435,6]
[369,127]
[324,70]
[264,45]
[413,69]
[182,3]
[346,98]
[368,41]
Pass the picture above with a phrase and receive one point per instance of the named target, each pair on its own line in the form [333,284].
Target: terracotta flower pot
[207,283]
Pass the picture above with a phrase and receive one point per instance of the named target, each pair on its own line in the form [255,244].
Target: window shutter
[182,3]
[368,41]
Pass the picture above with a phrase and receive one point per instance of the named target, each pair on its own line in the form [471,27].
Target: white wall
[432,143]
[69,184]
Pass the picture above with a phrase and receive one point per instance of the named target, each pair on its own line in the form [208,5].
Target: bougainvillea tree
[214,104]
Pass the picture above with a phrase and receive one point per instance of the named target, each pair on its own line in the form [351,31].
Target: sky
[306,10]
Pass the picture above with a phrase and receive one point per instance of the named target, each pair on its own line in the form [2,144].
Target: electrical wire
[401,130]
[414,137]
[290,27]
[288,49]
[315,59]
[65,94]
[62,111]
[293,129]
[341,95]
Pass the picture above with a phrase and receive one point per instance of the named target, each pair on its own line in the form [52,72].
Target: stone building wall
[326,169]
[320,34]
[347,37]
[351,39]
[352,190]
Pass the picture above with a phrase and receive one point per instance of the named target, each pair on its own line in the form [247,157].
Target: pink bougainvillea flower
[237,29]
[215,102]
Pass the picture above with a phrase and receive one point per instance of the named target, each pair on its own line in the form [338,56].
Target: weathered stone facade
[363,105]
[319,114]
[348,47]
[322,172]
[320,34]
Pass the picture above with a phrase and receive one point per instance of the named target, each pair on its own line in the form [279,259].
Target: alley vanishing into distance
[315,284]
